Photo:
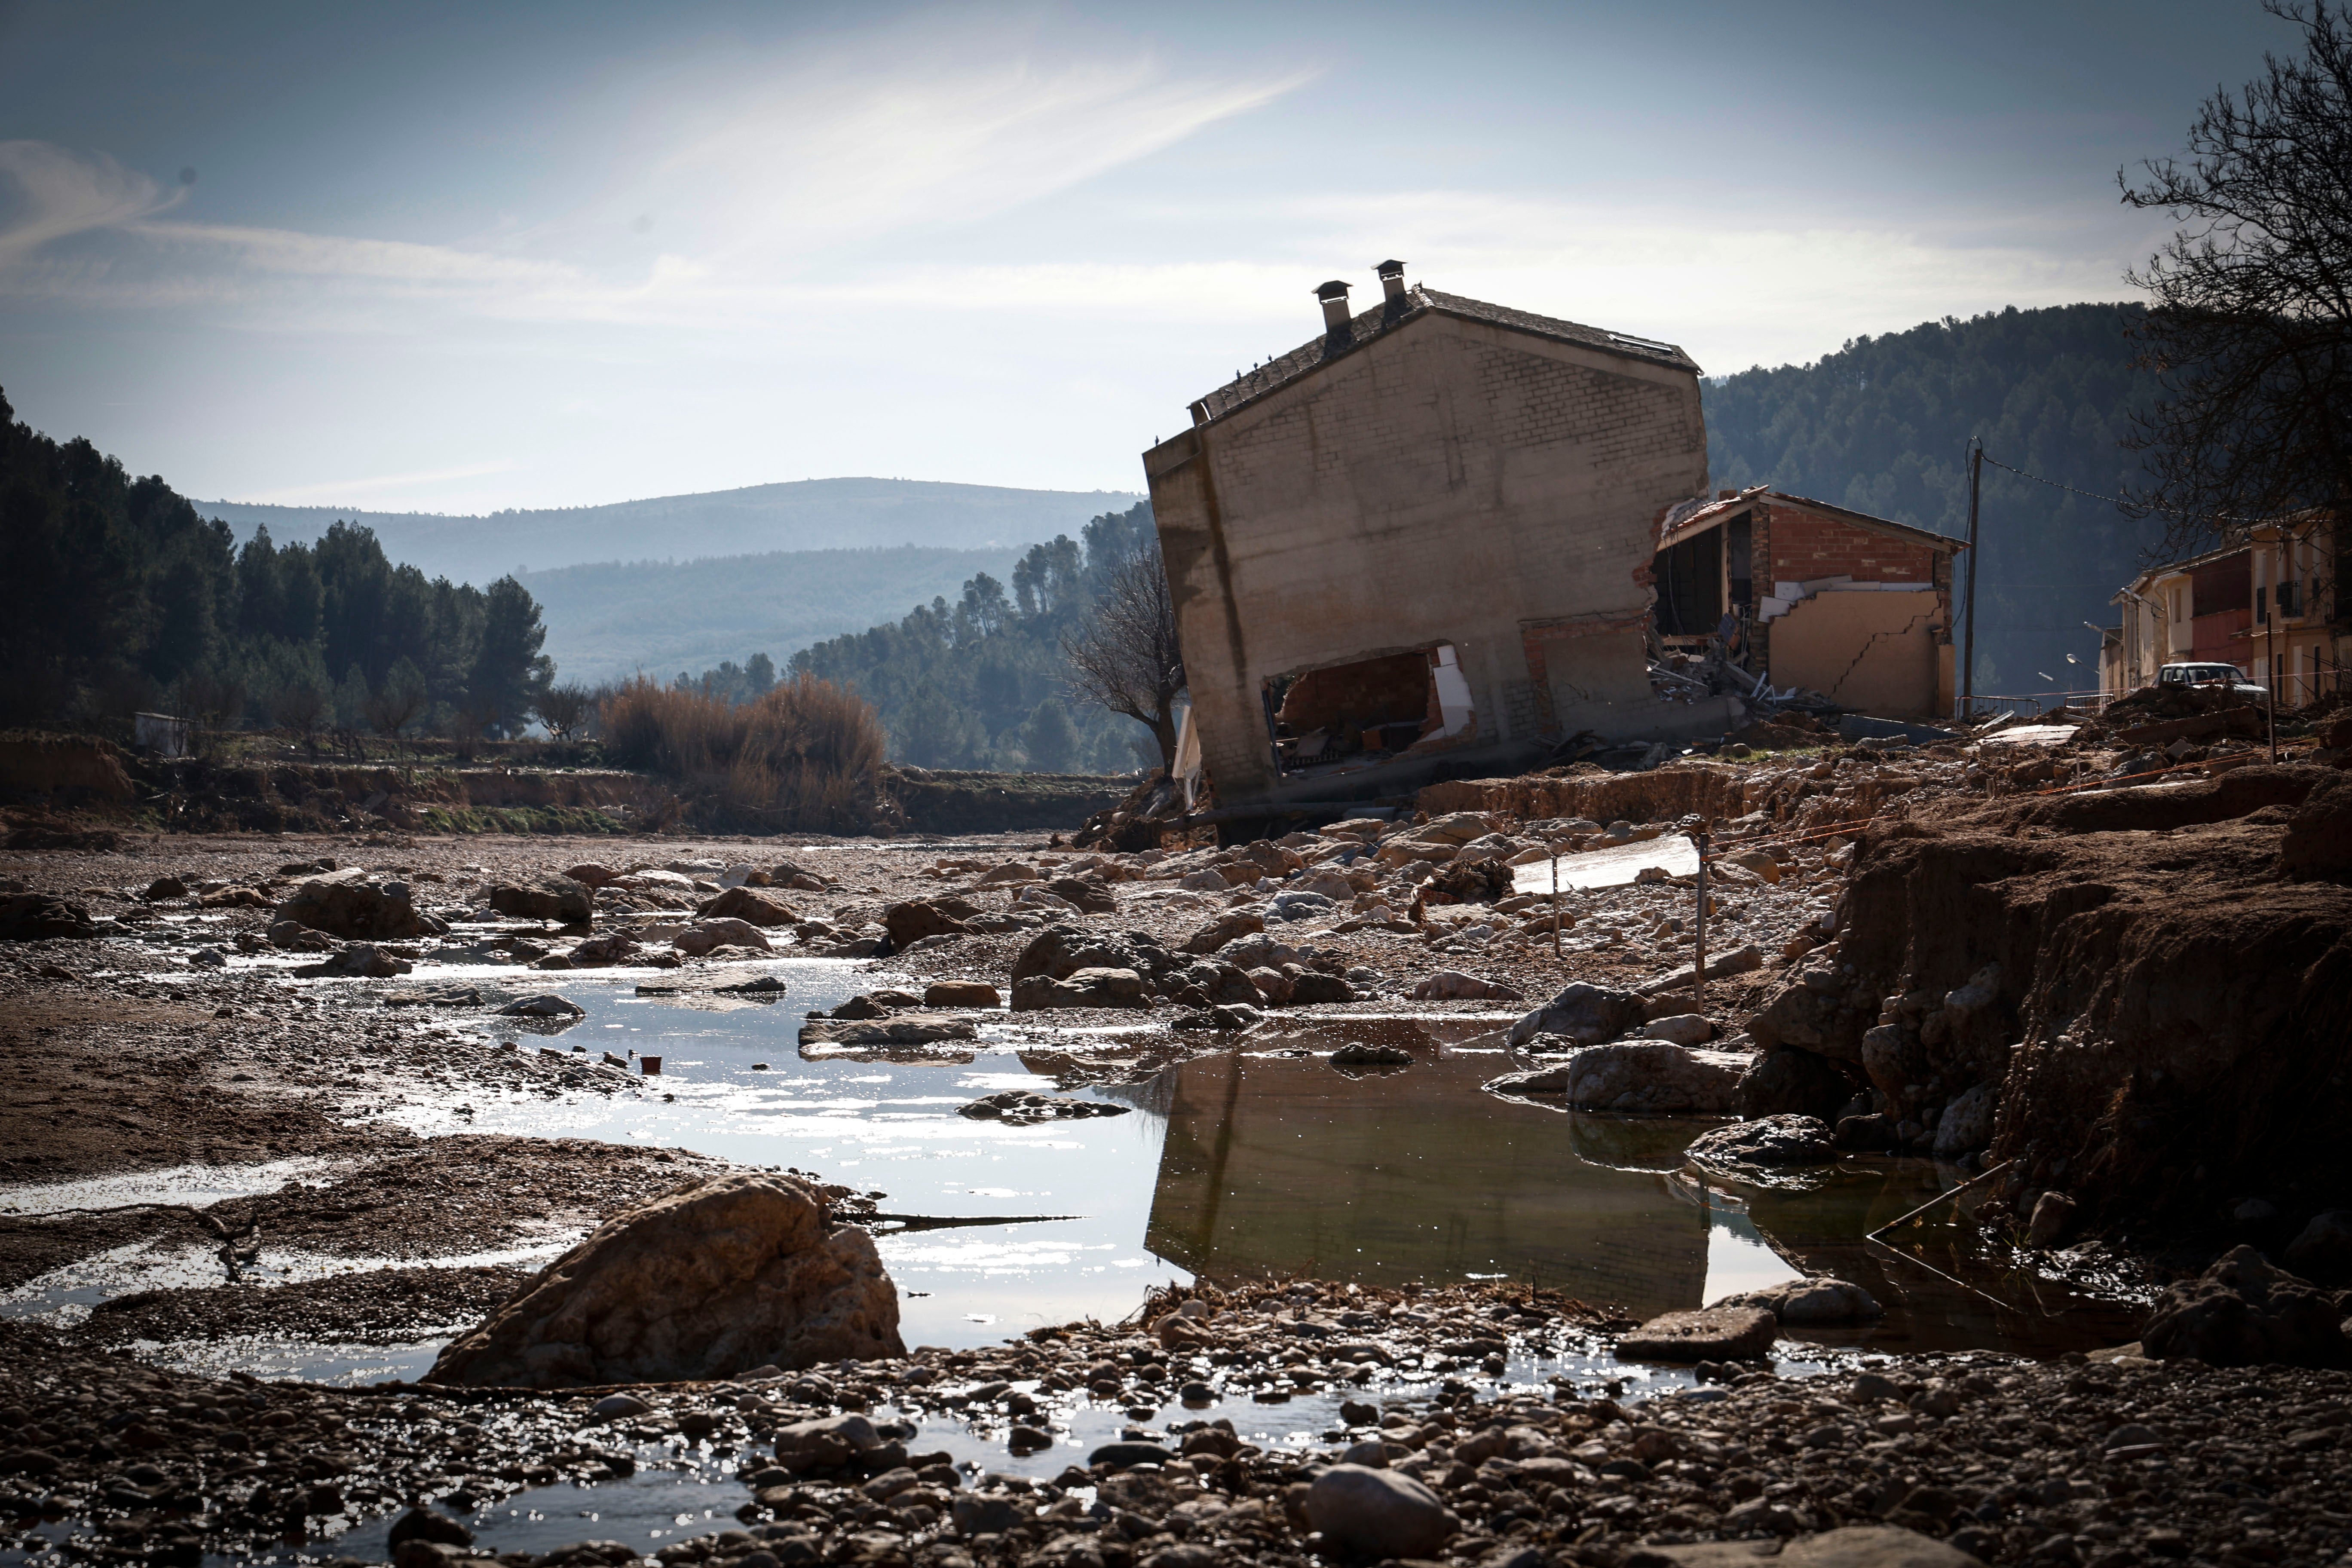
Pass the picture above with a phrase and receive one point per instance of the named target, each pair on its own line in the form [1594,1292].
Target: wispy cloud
[756,191]
[57,193]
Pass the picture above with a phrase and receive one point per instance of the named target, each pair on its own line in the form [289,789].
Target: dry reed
[805,757]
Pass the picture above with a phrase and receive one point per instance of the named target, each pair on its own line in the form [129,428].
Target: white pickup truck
[2228,675]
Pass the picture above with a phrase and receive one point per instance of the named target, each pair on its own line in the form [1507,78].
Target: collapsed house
[2268,603]
[1421,540]
[1808,596]
[1425,544]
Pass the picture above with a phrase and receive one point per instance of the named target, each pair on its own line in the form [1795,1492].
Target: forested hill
[1882,426]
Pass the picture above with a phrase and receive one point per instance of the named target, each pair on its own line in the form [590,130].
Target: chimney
[1334,296]
[1392,283]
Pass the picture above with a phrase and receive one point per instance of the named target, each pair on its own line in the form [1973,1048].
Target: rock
[706,936]
[164,887]
[1768,1141]
[2052,1213]
[1228,927]
[209,958]
[601,951]
[1681,1029]
[1966,1120]
[910,922]
[1453,985]
[360,961]
[1709,1333]
[732,1272]
[1084,988]
[901,1029]
[2244,1312]
[545,898]
[961,994]
[1369,1056]
[2322,1251]
[1087,894]
[353,905]
[1636,1074]
[589,874]
[614,1407]
[1867,1133]
[750,906]
[1793,1083]
[1315,988]
[996,1514]
[423,1524]
[1127,1455]
[1820,1299]
[1584,1013]
[544,1006]
[1021,1108]
[1855,1546]
[1376,1514]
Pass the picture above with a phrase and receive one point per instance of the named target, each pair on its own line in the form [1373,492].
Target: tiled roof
[1316,352]
[1677,527]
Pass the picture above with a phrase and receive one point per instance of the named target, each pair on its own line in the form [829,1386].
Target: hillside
[806,514]
[1882,425]
[608,621]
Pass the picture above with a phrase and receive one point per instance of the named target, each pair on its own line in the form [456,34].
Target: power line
[2120,503]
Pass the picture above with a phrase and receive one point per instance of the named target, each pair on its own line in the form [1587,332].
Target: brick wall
[1800,547]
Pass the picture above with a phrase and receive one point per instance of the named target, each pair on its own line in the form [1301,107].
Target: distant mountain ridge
[612,619]
[796,515]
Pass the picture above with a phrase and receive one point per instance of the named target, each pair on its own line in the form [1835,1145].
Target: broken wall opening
[1369,710]
[1689,579]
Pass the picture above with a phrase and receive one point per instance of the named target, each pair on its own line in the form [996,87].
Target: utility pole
[2270,669]
[1969,652]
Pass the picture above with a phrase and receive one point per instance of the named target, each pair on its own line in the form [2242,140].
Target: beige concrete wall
[1871,651]
[1449,481]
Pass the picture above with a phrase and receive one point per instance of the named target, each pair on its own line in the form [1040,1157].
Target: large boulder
[356,905]
[2322,1250]
[1708,1333]
[1819,1299]
[706,1282]
[1584,1013]
[910,922]
[752,907]
[546,897]
[42,917]
[1636,1076]
[1376,1514]
[708,936]
[1087,894]
[1104,987]
[2244,1312]
[1231,926]
[1769,1140]
[1059,952]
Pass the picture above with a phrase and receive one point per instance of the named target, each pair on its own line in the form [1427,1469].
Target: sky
[459,257]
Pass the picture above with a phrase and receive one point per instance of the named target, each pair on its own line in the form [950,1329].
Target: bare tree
[563,709]
[2251,326]
[1125,657]
[300,706]
[394,705]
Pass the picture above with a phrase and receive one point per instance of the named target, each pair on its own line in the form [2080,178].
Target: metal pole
[1555,902]
[1698,970]
[1969,669]
[2270,670]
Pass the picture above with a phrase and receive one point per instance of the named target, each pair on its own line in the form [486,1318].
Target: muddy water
[1261,1161]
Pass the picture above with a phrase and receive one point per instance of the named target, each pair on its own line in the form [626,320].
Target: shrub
[805,757]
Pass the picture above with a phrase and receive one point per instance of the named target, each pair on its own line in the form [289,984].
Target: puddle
[1263,1161]
[195,1184]
[1609,866]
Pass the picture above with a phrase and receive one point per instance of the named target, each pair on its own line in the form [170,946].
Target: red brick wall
[1793,546]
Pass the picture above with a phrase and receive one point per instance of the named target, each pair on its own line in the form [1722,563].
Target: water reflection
[1277,1164]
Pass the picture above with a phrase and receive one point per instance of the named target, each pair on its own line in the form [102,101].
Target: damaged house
[1425,542]
[1422,540]
[1856,608]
